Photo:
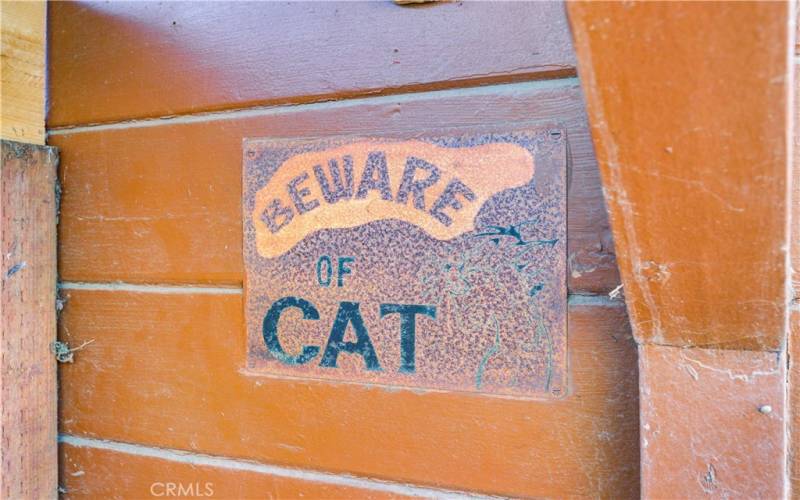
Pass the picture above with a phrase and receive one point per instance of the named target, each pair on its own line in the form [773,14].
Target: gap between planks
[200,460]
[600,300]
[152,288]
[256,111]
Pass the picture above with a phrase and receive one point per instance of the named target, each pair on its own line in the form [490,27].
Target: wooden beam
[28,400]
[22,70]
[689,107]
[794,320]
[28,455]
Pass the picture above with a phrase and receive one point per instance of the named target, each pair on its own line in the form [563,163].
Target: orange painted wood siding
[161,202]
[152,207]
[163,370]
[105,473]
[112,61]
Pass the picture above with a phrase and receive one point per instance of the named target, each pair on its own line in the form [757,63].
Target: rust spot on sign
[434,263]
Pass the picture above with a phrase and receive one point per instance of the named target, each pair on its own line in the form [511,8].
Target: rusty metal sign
[435,263]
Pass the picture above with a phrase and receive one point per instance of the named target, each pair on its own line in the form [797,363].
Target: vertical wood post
[28,448]
[28,451]
[689,106]
[794,317]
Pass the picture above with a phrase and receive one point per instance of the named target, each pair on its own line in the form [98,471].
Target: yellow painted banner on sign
[438,189]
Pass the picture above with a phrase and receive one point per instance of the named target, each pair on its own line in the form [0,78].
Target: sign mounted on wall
[434,263]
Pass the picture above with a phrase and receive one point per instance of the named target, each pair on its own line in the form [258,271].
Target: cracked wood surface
[692,147]
[161,59]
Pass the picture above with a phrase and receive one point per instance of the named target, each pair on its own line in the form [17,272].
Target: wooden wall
[149,103]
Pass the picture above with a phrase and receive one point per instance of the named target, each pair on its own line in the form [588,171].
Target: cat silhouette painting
[470,289]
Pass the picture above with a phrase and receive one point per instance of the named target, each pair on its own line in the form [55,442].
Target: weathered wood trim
[28,450]
[688,107]
[690,111]
[794,321]
[711,422]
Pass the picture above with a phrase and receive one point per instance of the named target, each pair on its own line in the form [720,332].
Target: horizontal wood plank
[165,58]
[101,473]
[164,370]
[162,203]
